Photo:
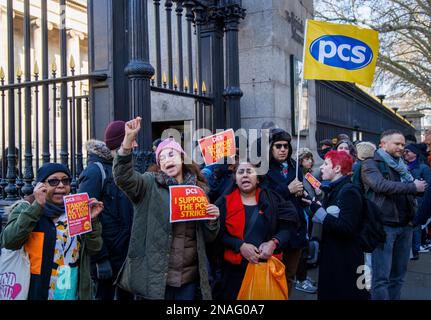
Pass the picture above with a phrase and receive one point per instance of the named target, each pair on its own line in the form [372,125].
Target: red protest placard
[188,203]
[78,214]
[313,181]
[218,146]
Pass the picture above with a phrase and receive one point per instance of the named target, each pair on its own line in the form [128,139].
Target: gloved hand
[104,270]
[314,206]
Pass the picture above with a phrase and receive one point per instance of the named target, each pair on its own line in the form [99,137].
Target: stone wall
[266,42]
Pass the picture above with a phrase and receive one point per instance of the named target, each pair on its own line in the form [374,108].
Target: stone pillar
[107,53]
[415,118]
[3,39]
[271,33]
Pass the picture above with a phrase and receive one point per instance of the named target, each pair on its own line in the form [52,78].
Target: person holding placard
[165,260]
[341,216]
[255,224]
[281,178]
[59,263]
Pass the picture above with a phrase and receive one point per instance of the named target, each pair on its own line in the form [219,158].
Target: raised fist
[132,128]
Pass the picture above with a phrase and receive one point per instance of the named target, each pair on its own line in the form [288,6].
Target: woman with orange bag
[255,223]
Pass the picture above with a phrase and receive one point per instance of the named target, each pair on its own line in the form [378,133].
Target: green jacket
[23,220]
[146,267]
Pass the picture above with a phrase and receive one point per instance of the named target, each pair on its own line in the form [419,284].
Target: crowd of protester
[135,252]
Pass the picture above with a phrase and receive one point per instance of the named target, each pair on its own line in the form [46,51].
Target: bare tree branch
[404,28]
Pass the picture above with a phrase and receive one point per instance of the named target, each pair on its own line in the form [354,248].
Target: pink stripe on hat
[168,143]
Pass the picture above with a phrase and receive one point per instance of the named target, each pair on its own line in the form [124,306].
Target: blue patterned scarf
[397,164]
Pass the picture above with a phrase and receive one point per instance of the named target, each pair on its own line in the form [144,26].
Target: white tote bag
[14,274]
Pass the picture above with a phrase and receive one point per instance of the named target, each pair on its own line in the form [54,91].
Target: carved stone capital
[234,12]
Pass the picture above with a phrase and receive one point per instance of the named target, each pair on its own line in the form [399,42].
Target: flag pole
[301,80]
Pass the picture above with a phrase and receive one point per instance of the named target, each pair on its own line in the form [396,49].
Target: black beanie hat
[50,168]
[280,135]
[413,148]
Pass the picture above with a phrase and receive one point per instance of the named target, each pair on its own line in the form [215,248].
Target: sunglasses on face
[55,182]
[279,145]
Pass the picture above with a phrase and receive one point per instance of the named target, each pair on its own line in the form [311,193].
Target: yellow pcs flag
[340,52]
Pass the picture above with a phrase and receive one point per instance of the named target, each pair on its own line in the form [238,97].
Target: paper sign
[78,214]
[188,203]
[218,146]
[313,181]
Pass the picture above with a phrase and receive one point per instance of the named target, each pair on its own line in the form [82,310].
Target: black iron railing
[29,155]
[39,108]
[196,57]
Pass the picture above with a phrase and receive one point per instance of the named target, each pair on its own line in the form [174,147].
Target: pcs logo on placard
[341,52]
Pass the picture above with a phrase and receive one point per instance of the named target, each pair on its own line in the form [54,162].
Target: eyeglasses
[56,182]
[279,145]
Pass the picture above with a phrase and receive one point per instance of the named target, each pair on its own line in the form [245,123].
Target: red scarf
[235,222]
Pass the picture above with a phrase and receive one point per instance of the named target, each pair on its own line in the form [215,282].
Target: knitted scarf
[397,164]
[53,211]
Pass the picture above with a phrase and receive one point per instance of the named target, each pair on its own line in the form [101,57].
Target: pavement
[417,284]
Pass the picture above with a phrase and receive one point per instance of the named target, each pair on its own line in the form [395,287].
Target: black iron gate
[183,48]
[342,107]
[37,104]
[42,111]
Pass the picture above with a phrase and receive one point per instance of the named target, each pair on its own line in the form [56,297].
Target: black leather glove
[314,207]
[104,270]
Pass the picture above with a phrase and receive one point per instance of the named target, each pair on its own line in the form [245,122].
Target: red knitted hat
[114,134]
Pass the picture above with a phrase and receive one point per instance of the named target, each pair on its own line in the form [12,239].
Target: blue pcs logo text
[341,52]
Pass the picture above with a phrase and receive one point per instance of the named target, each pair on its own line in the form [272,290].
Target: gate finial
[72,62]
[19,72]
[204,87]
[54,66]
[36,68]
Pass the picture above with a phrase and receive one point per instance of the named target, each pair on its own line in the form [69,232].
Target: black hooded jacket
[278,183]
[117,215]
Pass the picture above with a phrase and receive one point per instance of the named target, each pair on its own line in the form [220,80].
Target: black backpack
[372,232]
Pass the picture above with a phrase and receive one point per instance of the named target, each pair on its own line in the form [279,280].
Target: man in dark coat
[281,178]
[392,188]
[97,181]
[341,257]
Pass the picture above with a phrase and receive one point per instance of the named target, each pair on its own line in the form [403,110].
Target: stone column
[107,53]
[3,39]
